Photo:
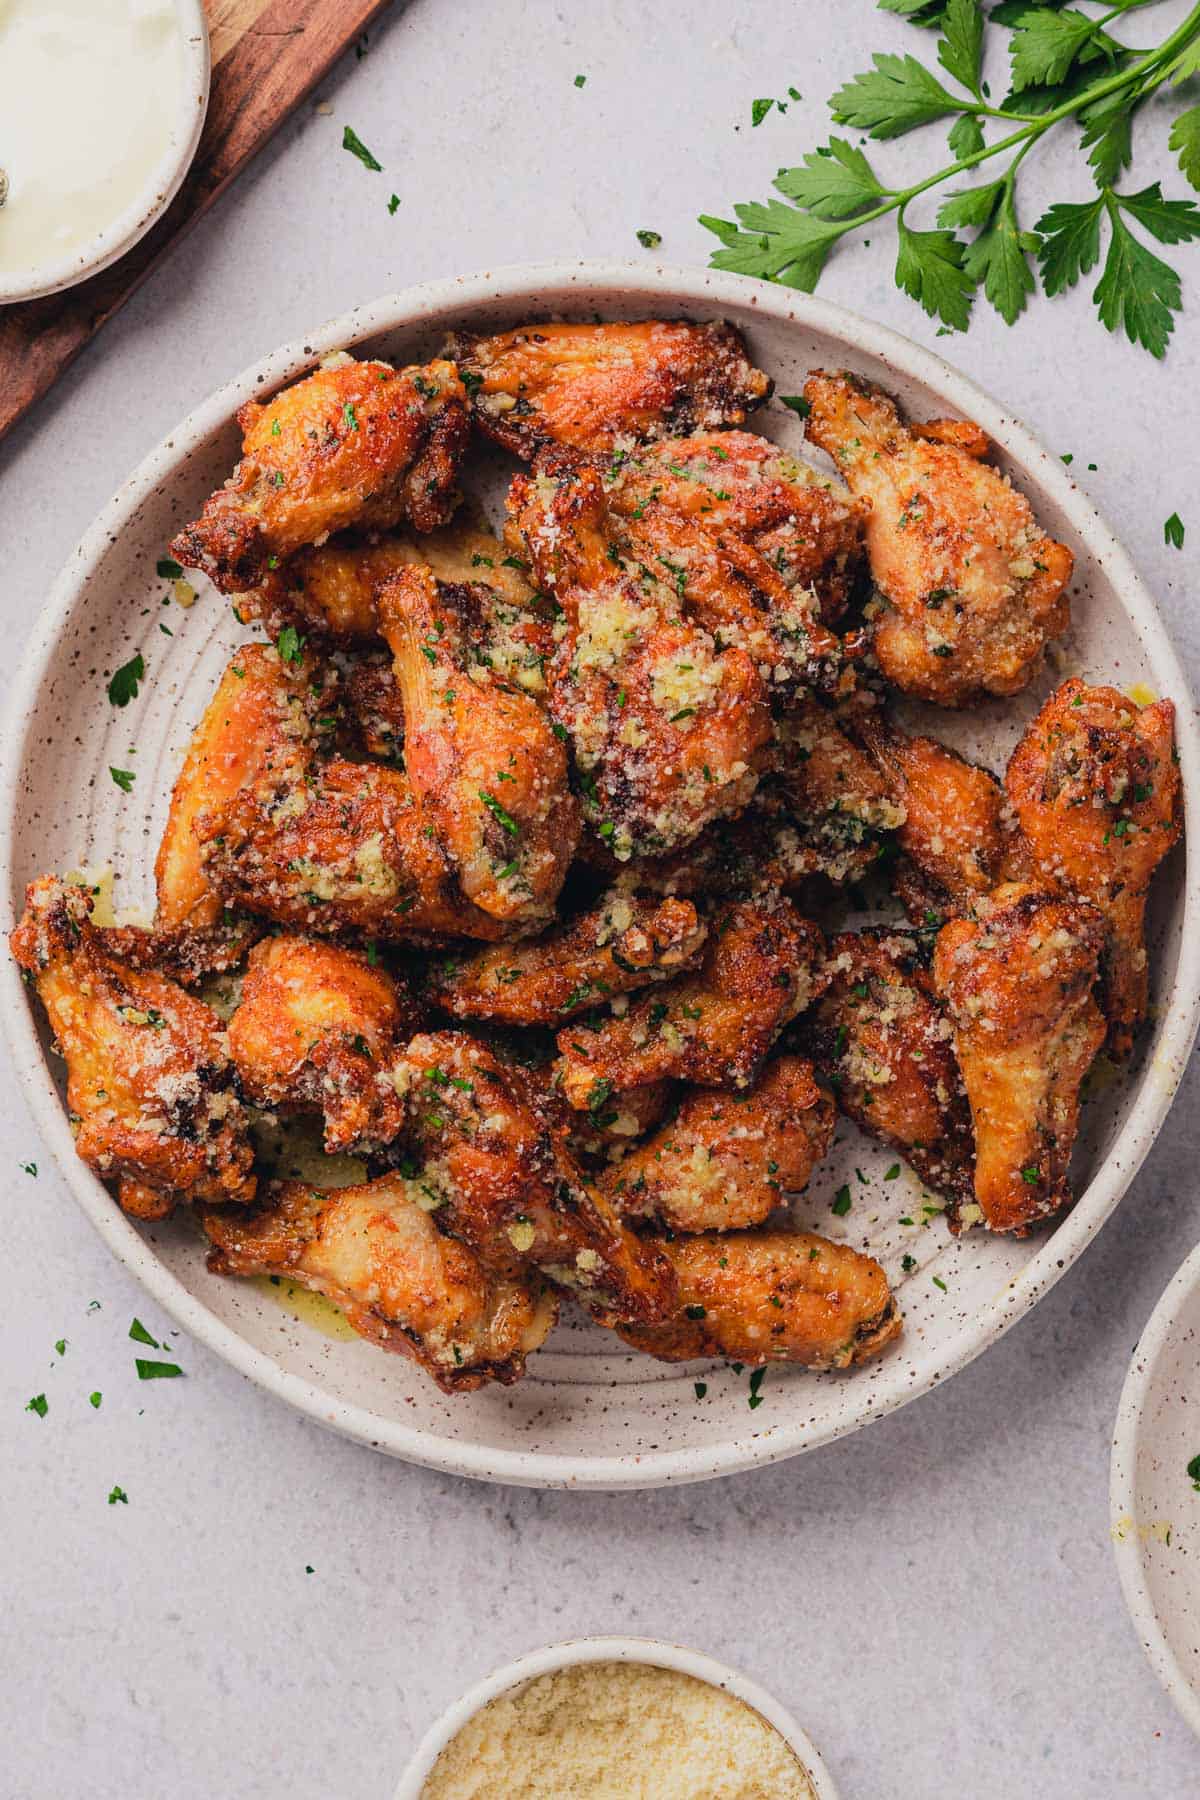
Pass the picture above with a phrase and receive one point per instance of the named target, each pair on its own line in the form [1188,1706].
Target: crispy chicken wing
[880,1039]
[499,1176]
[842,809]
[484,763]
[666,727]
[148,1072]
[712,1027]
[343,848]
[726,1161]
[593,386]
[621,944]
[807,527]
[189,956]
[318,1027]
[375,1250]
[970,588]
[263,719]
[761,1297]
[1019,982]
[1095,785]
[353,444]
[958,837]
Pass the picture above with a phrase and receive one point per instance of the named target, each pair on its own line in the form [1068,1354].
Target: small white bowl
[574,1651]
[1155,1509]
[161,188]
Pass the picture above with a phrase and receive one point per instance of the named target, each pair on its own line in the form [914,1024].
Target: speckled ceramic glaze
[130,226]
[573,1652]
[589,1413]
[1155,1503]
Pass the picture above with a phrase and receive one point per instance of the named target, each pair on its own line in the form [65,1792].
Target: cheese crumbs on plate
[617,1731]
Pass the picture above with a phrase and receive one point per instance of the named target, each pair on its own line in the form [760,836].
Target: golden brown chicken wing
[353,444]
[148,1072]
[375,1251]
[725,1161]
[958,837]
[882,1042]
[319,1027]
[344,848]
[264,719]
[621,944]
[188,956]
[713,1027]
[1095,785]
[761,1297]
[1018,981]
[807,527]
[666,726]
[500,1177]
[593,386]
[970,588]
[842,809]
[487,770]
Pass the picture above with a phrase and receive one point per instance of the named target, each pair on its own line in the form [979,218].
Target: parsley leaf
[1170,221]
[124,778]
[39,1405]
[168,568]
[123,687]
[929,268]
[1044,45]
[997,258]
[503,818]
[778,241]
[649,240]
[896,96]
[1137,291]
[138,1332]
[1173,531]
[1070,237]
[290,645]
[118,1494]
[354,144]
[834,183]
[155,1371]
[966,135]
[961,45]
[1185,141]
[841,1202]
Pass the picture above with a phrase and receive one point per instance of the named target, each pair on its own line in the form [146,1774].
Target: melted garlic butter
[617,1731]
[91,95]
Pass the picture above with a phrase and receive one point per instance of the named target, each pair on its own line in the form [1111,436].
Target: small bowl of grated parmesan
[616,1718]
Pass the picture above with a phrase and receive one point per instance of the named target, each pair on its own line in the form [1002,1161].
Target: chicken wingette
[594,386]
[149,1079]
[970,588]
[1019,981]
[375,1251]
[355,444]
[759,1297]
[1095,785]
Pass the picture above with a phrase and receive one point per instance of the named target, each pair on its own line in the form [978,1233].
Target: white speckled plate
[1155,1503]
[589,1414]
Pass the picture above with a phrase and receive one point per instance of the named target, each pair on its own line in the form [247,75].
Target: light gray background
[935,1598]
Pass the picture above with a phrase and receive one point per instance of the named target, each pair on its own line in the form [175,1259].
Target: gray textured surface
[935,1598]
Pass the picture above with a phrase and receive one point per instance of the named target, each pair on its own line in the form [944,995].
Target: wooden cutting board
[267,55]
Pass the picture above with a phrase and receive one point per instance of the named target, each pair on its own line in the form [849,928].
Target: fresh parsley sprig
[1065,65]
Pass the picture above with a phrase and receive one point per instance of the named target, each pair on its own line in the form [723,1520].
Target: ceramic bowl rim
[573,1653]
[714,292]
[162,185]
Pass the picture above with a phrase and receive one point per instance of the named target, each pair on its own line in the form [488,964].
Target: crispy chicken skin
[843,810]
[1095,785]
[499,1176]
[970,588]
[261,720]
[375,1251]
[714,1026]
[879,1038]
[623,943]
[958,837]
[318,1028]
[355,444]
[592,386]
[666,726]
[762,1297]
[808,528]
[188,956]
[487,770]
[342,848]
[725,1160]
[730,588]
[148,1072]
[1018,981]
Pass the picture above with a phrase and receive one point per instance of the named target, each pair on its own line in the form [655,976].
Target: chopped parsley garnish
[939,1283]
[118,1494]
[798,404]
[60,1344]
[30,1168]
[1030,1176]
[580,80]
[649,240]
[95,1399]
[39,1405]
[290,645]
[701,1388]
[168,568]
[1193,1470]
[124,778]
[759,111]
[123,686]
[1173,531]
[696,1312]
[503,818]
[354,144]
[908,1263]
[757,1377]
[140,1335]
[350,416]
[393,205]
[841,1202]
[156,1371]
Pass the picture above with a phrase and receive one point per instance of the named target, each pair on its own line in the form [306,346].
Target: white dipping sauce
[91,97]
